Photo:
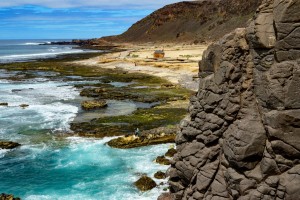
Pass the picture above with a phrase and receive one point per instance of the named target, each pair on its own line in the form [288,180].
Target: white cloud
[88,3]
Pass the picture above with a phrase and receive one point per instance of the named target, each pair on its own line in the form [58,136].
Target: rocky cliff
[242,137]
[201,21]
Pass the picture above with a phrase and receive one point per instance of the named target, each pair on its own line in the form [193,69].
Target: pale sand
[180,65]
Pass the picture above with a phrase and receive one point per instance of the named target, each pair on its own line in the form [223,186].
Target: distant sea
[24,50]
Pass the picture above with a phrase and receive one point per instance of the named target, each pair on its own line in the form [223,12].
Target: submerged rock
[8,145]
[145,183]
[95,104]
[8,197]
[24,105]
[160,175]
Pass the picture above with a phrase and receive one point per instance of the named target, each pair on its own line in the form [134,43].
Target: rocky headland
[241,138]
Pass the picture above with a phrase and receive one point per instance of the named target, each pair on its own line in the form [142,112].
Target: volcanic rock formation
[242,137]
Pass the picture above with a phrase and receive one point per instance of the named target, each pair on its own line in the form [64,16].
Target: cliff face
[242,137]
[191,20]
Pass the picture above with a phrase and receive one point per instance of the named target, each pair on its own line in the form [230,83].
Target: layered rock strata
[242,137]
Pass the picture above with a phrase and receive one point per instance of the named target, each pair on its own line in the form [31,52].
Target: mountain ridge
[190,21]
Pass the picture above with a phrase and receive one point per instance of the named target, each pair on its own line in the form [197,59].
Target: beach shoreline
[179,66]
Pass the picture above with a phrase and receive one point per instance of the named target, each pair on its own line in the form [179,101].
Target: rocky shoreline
[163,103]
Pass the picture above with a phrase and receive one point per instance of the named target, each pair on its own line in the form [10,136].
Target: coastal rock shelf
[241,139]
[133,142]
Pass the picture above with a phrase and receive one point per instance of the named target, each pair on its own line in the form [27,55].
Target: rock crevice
[242,137]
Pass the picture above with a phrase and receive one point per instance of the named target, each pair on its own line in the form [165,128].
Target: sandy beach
[179,66]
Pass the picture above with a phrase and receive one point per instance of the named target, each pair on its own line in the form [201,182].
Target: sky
[71,19]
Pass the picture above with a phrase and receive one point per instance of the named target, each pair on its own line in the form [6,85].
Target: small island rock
[145,183]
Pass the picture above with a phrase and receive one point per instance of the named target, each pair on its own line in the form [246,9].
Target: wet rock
[8,197]
[145,183]
[162,160]
[95,104]
[8,145]
[171,152]
[3,104]
[160,175]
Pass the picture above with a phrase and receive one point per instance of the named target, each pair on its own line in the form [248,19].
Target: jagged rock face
[242,137]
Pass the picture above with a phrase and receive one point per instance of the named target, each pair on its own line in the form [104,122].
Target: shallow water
[47,166]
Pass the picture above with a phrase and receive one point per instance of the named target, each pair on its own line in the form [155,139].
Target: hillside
[200,21]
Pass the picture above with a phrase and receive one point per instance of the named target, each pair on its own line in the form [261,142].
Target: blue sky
[70,19]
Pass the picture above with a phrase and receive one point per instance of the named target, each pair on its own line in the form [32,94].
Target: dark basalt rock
[8,145]
[145,183]
[241,139]
[3,104]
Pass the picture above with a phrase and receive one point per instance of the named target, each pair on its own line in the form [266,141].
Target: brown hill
[190,21]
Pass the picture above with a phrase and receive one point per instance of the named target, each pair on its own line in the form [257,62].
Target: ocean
[49,165]
[24,50]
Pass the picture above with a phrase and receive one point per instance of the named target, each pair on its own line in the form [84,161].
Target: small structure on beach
[159,54]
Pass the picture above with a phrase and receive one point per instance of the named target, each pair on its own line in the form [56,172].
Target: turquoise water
[48,166]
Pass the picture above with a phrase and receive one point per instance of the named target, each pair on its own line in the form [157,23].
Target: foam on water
[49,106]
[71,168]
[85,168]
